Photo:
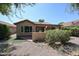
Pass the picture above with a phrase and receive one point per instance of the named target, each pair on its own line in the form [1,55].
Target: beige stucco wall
[39,36]
[25,23]
[12,30]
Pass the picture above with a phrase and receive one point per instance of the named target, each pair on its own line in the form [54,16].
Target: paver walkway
[30,48]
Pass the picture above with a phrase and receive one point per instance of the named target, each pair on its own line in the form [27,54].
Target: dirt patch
[30,48]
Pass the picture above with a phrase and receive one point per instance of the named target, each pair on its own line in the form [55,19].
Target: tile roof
[72,23]
[41,23]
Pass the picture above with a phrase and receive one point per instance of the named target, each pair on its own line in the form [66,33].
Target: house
[26,27]
[72,23]
[12,27]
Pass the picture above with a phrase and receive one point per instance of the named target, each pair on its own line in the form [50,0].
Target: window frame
[27,28]
[22,29]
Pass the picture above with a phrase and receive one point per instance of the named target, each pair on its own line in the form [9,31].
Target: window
[21,28]
[28,28]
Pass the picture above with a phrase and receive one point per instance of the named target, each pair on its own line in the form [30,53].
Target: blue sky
[51,12]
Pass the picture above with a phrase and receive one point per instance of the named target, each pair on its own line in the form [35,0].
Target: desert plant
[4,32]
[53,36]
[74,30]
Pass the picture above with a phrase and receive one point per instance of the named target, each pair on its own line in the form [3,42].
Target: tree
[75,7]
[61,23]
[41,20]
[6,8]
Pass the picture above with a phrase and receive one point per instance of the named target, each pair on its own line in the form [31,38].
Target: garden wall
[38,36]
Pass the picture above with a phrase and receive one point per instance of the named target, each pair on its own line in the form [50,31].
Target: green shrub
[4,32]
[61,36]
[75,33]
[74,30]
[71,28]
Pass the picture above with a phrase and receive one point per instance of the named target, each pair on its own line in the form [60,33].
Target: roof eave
[23,21]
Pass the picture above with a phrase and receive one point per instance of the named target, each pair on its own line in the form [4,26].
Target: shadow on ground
[69,49]
[6,48]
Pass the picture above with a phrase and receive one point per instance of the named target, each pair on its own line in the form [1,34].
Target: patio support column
[45,28]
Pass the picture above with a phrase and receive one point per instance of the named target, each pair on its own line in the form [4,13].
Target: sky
[51,12]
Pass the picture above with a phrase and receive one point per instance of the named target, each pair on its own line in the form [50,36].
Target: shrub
[53,36]
[75,33]
[74,30]
[4,32]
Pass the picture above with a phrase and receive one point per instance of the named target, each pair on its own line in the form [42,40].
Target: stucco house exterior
[26,27]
